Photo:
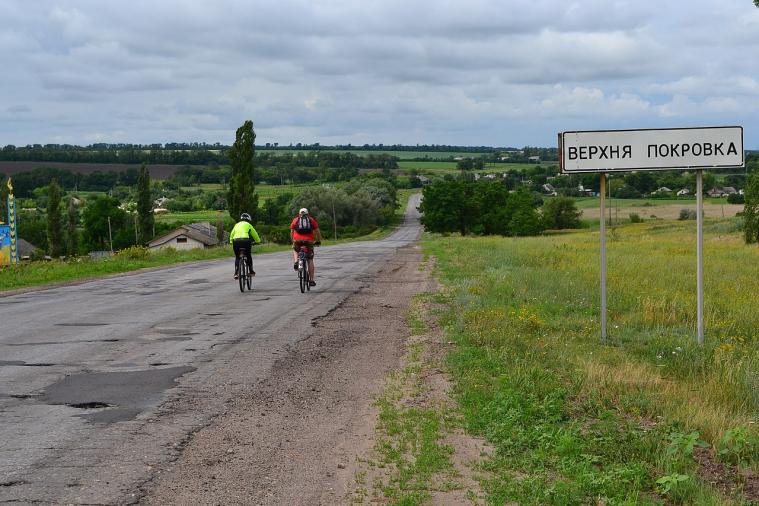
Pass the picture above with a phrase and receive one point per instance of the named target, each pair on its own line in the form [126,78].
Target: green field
[592,202]
[452,166]
[403,155]
[574,421]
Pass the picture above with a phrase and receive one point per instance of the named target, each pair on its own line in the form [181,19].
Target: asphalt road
[102,381]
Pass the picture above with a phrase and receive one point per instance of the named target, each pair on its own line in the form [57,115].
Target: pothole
[155,364]
[82,324]
[13,483]
[90,405]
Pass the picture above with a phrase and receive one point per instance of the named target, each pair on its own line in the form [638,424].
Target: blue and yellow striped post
[12,223]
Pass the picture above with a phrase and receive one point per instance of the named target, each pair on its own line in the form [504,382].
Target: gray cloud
[454,71]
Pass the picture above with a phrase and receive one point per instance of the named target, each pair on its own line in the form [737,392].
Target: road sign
[651,149]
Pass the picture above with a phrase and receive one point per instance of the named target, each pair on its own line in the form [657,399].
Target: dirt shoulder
[294,437]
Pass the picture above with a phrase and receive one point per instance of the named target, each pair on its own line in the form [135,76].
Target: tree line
[489,208]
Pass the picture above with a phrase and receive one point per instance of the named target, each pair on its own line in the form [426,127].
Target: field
[156,171]
[451,167]
[402,155]
[646,418]
[667,209]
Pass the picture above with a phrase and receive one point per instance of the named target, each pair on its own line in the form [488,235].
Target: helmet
[303,210]
[245,217]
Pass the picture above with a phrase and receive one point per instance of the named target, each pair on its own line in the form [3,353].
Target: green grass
[588,202]
[191,216]
[451,167]
[575,422]
[410,429]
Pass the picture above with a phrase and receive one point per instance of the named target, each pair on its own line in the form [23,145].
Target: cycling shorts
[308,244]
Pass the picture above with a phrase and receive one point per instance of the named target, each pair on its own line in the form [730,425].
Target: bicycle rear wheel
[248,279]
[242,272]
[308,277]
[302,279]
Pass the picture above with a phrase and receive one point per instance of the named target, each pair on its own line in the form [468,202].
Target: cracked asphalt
[102,383]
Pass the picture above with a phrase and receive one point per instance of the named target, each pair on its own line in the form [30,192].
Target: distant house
[585,192]
[533,159]
[683,192]
[548,189]
[729,190]
[716,192]
[159,202]
[195,235]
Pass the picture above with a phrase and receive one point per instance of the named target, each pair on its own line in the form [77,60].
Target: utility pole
[110,237]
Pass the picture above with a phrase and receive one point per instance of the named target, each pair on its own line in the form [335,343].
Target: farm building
[195,235]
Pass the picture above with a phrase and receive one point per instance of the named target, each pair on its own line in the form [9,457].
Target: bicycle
[303,275]
[244,276]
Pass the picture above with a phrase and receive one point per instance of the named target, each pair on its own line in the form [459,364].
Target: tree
[145,219]
[95,219]
[54,220]
[241,197]
[751,210]
[448,206]
[72,235]
[560,213]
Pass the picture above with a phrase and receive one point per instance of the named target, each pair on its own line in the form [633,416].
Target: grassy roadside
[411,460]
[649,419]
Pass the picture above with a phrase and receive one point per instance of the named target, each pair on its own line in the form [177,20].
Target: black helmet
[245,217]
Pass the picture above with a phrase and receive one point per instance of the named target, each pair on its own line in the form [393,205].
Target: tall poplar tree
[241,197]
[54,220]
[145,219]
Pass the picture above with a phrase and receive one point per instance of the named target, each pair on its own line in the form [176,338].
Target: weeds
[574,422]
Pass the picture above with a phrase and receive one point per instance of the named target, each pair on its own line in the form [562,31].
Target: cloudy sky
[471,72]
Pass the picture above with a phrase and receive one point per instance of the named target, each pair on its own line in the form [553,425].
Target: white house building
[194,235]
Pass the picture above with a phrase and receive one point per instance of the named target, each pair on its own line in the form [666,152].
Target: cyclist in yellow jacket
[243,235]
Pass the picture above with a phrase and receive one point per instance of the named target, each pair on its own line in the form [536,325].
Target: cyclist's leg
[236,249]
[311,268]
[296,246]
[249,257]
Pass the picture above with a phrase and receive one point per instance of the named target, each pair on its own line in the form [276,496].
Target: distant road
[101,381]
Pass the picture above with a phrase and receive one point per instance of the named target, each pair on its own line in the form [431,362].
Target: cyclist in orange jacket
[304,231]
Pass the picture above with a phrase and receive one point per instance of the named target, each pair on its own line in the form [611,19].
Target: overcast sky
[470,72]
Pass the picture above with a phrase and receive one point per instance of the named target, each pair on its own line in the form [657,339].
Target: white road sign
[651,149]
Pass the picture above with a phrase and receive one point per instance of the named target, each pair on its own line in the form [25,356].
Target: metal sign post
[700,252]
[603,256]
[605,151]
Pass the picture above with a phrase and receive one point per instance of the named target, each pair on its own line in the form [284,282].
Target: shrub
[687,214]
[560,213]
[635,218]
[134,253]
[736,198]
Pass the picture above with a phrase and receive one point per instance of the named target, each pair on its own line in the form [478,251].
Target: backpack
[304,225]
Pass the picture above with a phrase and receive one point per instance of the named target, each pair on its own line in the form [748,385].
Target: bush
[560,213]
[635,218]
[279,234]
[134,253]
[736,198]
[687,214]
